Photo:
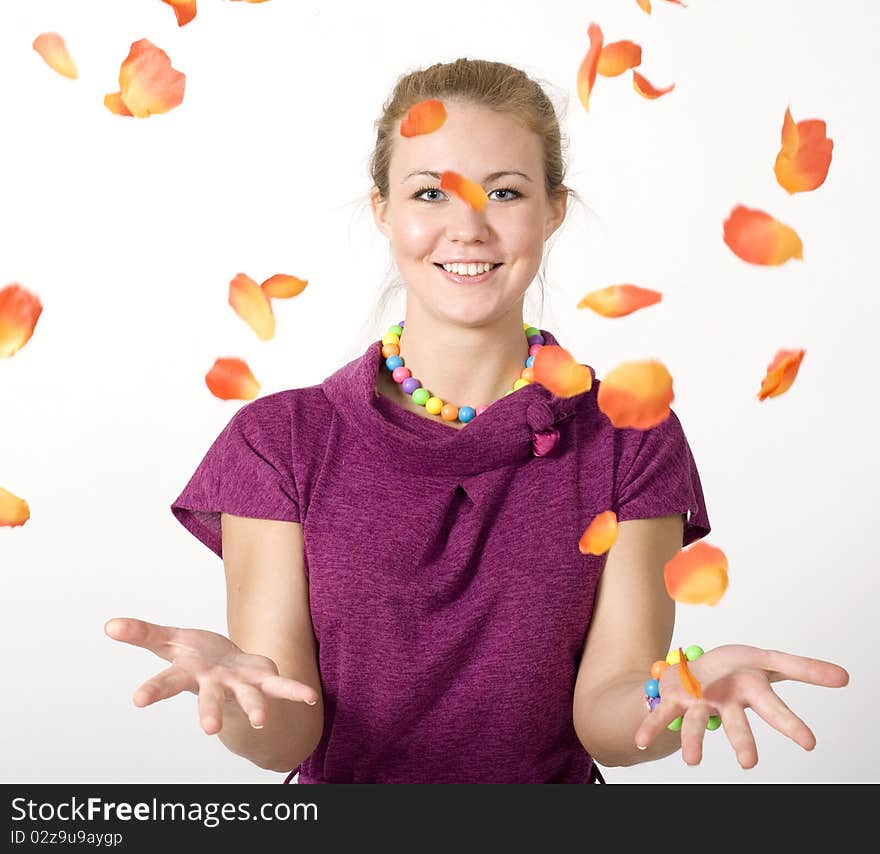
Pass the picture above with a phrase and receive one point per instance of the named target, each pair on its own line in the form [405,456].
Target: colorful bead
[434,405]
[691,654]
[657,668]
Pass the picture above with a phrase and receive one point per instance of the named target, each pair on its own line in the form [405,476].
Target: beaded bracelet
[652,686]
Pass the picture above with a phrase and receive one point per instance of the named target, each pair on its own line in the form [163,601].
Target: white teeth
[468,269]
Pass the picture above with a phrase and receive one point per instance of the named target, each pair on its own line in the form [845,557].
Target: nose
[465,223]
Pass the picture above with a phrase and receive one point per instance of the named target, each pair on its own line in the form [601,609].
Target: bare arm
[632,625]
[268,614]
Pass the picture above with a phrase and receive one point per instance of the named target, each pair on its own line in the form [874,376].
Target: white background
[129,231]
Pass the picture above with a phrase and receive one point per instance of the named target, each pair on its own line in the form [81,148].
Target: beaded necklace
[434,405]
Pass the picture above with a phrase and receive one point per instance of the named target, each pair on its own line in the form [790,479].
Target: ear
[556,213]
[380,212]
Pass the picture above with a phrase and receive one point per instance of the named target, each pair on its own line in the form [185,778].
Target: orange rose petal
[697,575]
[619,300]
[113,102]
[600,534]
[231,379]
[184,10]
[691,685]
[14,511]
[556,369]
[648,90]
[54,51]
[645,5]
[424,117]
[147,82]
[617,57]
[636,395]
[803,161]
[468,191]
[781,373]
[586,75]
[280,286]
[252,305]
[19,312]
[758,238]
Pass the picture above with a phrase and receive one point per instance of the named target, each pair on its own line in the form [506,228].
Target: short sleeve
[247,471]
[658,477]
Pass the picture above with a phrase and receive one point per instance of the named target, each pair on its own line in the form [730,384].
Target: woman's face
[427,226]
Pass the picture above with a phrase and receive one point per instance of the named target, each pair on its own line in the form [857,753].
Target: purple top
[448,596]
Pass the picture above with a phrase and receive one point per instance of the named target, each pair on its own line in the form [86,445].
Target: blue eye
[422,190]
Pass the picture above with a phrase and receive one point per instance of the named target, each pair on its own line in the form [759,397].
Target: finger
[772,708]
[693,730]
[815,671]
[211,699]
[287,689]
[654,722]
[739,734]
[168,683]
[139,633]
[252,701]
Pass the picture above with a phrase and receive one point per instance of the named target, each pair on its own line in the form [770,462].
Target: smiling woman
[419,578]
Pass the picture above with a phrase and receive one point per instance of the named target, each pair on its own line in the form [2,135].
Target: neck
[464,365]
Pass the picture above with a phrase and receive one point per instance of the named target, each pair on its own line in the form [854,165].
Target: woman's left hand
[733,678]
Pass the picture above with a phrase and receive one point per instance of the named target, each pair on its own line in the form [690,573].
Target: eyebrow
[494,176]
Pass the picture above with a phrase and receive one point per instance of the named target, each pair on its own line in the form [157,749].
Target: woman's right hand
[209,665]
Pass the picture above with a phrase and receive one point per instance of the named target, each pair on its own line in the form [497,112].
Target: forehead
[473,140]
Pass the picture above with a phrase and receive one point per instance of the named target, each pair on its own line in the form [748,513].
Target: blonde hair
[494,85]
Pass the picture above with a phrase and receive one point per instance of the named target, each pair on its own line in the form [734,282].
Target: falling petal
[781,373]
[54,51]
[803,161]
[648,90]
[252,305]
[586,75]
[19,312]
[558,371]
[424,117]
[468,191]
[645,5]
[148,84]
[231,379]
[600,535]
[758,238]
[185,10]
[619,300]
[14,511]
[697,575]
[636,395]
[280,286]
[691,685]
[617,57]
